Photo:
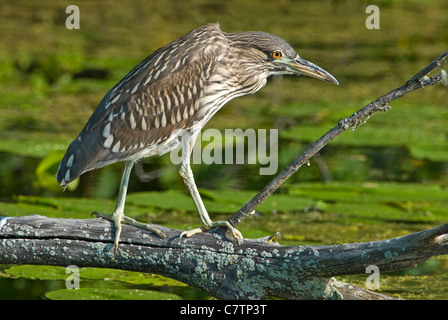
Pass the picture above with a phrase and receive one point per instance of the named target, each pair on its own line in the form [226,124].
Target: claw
[236,234]
[118,218]
[190,233]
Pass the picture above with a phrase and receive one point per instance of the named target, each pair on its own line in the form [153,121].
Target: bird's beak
[301,66]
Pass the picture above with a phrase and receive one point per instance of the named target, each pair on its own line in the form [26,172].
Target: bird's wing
[157,97]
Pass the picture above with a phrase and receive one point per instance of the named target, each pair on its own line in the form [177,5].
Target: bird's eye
[277,54]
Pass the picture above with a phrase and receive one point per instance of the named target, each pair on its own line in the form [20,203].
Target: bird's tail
[72,164]
[82,155]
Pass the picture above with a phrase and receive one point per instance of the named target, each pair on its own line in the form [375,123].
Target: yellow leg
[118,215]
[207,223]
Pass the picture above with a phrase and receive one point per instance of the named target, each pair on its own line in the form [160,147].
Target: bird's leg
[207,223]
[118,215]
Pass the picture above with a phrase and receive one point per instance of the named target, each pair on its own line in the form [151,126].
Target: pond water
[385,179]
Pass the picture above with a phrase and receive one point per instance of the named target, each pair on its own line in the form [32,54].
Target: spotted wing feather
[138,115]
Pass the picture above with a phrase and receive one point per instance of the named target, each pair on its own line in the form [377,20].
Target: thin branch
[418,81]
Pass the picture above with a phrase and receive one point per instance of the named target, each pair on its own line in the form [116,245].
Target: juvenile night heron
[166,100]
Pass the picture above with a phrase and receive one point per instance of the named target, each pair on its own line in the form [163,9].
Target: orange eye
[277,54]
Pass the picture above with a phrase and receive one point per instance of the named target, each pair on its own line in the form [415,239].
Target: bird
[166,100]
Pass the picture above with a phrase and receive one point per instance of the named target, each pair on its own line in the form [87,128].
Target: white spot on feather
[116,147]
[106,131]
[185,115]
[108,141]
[67,175]
[116,98]
[70,161]
[178,116]
[147,80]
[132,121]
[135,88]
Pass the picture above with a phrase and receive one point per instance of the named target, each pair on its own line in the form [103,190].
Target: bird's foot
[117,218]
[235,233]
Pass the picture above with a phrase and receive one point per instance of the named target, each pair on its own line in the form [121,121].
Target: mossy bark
[210,261]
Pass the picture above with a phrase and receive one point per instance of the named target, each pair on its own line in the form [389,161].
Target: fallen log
[253,269]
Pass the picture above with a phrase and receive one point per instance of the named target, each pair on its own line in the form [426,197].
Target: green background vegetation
[385,179]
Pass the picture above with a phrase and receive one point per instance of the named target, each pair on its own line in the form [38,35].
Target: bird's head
[273,55]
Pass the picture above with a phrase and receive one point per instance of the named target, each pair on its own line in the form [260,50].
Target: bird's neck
[242,76]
